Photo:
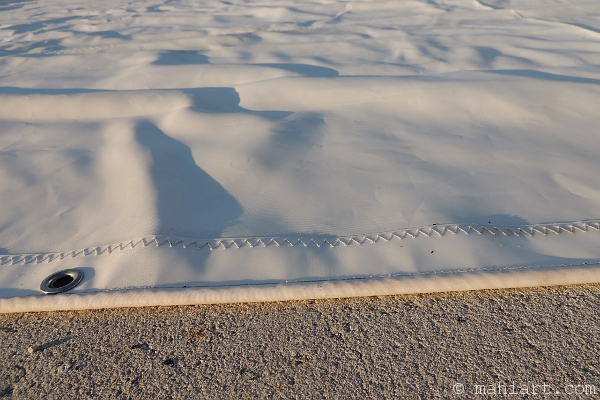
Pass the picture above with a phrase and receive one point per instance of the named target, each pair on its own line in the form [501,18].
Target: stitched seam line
[354,278]
[331,242]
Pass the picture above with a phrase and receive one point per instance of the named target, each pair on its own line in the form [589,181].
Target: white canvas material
[183,152]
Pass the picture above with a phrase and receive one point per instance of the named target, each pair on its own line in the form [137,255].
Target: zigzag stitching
[332,242]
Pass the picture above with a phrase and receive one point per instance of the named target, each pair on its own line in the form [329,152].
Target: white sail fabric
[183,152]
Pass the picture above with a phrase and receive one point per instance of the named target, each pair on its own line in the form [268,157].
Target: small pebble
[64,368]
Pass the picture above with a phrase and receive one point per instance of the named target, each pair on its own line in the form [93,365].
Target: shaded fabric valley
[190,203]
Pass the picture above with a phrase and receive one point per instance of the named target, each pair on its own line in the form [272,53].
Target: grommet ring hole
[61,281]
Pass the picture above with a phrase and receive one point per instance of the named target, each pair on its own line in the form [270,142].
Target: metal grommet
[61,281]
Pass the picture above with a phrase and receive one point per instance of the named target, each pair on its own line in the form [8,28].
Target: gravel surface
[541,341]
